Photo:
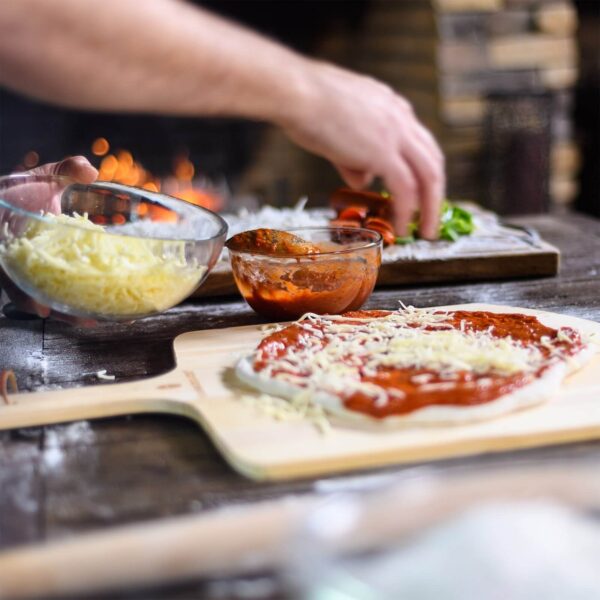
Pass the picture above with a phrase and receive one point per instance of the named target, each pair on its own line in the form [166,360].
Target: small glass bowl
[338,279]
[103,251]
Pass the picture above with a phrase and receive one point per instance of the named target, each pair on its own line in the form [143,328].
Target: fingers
[427,138]
[75,167]
[354,178]
[427,169]
[78,168]
[424,158]
[365,128]
[404,188]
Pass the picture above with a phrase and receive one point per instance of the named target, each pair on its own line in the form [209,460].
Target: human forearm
[153,56]
[165,56]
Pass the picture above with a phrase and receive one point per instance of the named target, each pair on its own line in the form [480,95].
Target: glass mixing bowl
[103,251]
[338,279]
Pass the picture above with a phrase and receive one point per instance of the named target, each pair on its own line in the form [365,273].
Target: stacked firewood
[493,79]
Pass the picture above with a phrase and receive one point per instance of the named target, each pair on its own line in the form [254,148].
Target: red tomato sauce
[284,291]
[467,389]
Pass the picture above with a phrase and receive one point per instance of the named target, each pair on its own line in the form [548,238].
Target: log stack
[464,62]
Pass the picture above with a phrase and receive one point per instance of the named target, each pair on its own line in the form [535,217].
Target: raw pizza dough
[541,389]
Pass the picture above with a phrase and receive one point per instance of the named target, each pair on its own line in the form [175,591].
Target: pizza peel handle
[169,393]
[176,392]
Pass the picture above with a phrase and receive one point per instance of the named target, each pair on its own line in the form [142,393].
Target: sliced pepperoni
[354,213]
[345,223]
[379,222]
[388,236]
[375,203]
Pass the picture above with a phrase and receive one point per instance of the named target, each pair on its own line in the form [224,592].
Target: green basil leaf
[404,240]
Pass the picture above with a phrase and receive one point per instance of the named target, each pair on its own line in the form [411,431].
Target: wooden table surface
[62,480]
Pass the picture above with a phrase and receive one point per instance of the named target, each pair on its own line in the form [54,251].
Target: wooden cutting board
[541,260]
[529,256]
[203,387]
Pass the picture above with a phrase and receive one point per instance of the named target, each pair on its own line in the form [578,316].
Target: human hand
[365,129]
[79,169]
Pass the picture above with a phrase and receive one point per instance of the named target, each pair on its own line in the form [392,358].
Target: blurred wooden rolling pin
[250,538]
[231,540]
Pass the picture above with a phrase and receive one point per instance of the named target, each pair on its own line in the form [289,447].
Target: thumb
[78,168]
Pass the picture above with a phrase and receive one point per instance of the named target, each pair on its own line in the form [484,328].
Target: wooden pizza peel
[203,388]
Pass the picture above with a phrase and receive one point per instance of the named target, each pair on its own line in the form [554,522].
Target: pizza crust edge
[537,392]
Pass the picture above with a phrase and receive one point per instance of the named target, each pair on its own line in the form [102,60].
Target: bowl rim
[378,241]
[117,187]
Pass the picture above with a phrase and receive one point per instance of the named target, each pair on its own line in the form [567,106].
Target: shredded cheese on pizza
[338,352]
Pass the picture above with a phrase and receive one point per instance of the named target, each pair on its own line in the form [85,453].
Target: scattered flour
[58,437]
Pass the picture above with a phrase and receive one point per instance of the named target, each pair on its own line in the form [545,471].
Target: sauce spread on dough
[409,388]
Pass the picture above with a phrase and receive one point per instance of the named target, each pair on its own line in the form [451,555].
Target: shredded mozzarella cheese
[83,267]
[300,408]
[102,374]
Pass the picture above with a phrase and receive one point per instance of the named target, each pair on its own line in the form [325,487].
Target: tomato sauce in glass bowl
[339,277]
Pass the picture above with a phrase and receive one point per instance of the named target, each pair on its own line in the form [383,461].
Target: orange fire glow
[100,146]
[121,167]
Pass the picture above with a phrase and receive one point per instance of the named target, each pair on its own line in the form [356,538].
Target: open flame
[121,167]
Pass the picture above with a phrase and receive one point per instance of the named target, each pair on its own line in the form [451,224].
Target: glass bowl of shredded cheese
[103,251]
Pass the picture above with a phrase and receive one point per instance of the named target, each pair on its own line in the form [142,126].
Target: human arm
[166,56]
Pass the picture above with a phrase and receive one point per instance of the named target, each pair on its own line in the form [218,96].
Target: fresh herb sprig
[454,222]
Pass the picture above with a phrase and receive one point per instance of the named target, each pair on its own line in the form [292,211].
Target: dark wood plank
[143,348]
[21,344]
[21,488]
[134,479]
